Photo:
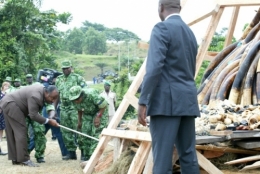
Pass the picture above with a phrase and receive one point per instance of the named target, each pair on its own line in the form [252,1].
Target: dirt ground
[55,165]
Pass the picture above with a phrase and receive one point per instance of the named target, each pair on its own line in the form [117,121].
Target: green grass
[86,63]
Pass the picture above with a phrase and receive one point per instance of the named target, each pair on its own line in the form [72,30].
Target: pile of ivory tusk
[234,73]
[228,115]
[232,80]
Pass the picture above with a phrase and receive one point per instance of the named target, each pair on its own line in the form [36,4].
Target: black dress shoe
[29,163]
[40,160]
[15,162]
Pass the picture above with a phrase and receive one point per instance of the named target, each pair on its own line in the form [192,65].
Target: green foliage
[121,86]
[95,42]
[27,38]
[203,67]
[74,40]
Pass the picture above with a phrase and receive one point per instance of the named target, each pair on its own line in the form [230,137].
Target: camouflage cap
[74,92]
[29,75]
[66,64]
[17,80]
[9,79]
[107,83]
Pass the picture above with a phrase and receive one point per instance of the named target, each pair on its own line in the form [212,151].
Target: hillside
[86,63]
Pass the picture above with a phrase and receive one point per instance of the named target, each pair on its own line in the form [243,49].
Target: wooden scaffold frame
[143,156]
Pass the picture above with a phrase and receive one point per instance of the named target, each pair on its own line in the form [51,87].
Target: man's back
[171,66]
[29,99]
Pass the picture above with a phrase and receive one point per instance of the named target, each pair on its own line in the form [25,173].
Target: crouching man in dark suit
[27,101]
[169,94]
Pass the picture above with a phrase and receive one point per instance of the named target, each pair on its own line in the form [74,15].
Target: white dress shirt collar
[174,14]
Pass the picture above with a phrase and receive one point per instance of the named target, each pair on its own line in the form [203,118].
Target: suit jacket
[29,99]
[168,87]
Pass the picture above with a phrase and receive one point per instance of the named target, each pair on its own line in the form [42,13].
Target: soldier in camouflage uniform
[17,85]
[92,117]
[36,131]
[68,114]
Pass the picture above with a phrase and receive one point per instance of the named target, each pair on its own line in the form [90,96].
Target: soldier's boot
[83,157]
[72,155]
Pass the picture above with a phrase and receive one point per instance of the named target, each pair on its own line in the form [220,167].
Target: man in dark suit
[169,93]
[27,101]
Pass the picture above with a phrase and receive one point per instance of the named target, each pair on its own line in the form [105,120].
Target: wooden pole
[207,39]
[232,25]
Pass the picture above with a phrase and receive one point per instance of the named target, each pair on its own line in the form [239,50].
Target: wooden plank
[148,169]
[207,165]
[175,156]
[116,142]
[248,144]
[207,39]
[244,134]
[209,139]
[232,26]
[244,160]
[204,16]
[133,100]
[140,158]
[124,145]
[256,165]
[220,133]
[226,149]
[128,134]
[211,154]
[231,3]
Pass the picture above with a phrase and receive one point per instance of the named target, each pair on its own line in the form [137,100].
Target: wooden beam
[232,25]
[207,39]
[207,165]
[204,16]
[132,99]
[231,3]
[226,149]
[148,169]
[128,134]
[140,158]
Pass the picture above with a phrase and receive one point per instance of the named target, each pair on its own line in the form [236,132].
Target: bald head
[167,7]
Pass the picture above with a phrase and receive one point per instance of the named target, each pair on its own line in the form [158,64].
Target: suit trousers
[167,131]
[16,133]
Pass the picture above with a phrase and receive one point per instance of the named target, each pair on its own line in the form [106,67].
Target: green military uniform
[91,103]
[14,88]
[68,114]
[38,130]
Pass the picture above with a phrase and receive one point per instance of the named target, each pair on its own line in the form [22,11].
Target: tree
[27,37]
[95,42]
[101,66]
[119,34]
[96,26]
[74,40]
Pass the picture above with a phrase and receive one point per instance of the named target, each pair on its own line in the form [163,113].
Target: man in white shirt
[111,100]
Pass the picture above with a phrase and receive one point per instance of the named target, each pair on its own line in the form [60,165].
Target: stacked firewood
[227,115]
[234,74]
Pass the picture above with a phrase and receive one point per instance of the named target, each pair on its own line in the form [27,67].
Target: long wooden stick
[79,132]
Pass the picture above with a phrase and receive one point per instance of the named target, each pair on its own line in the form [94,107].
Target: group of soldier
[78,107]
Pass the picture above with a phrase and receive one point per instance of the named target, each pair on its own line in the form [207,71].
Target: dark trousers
[16,133]
[167,131]
[55,130]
